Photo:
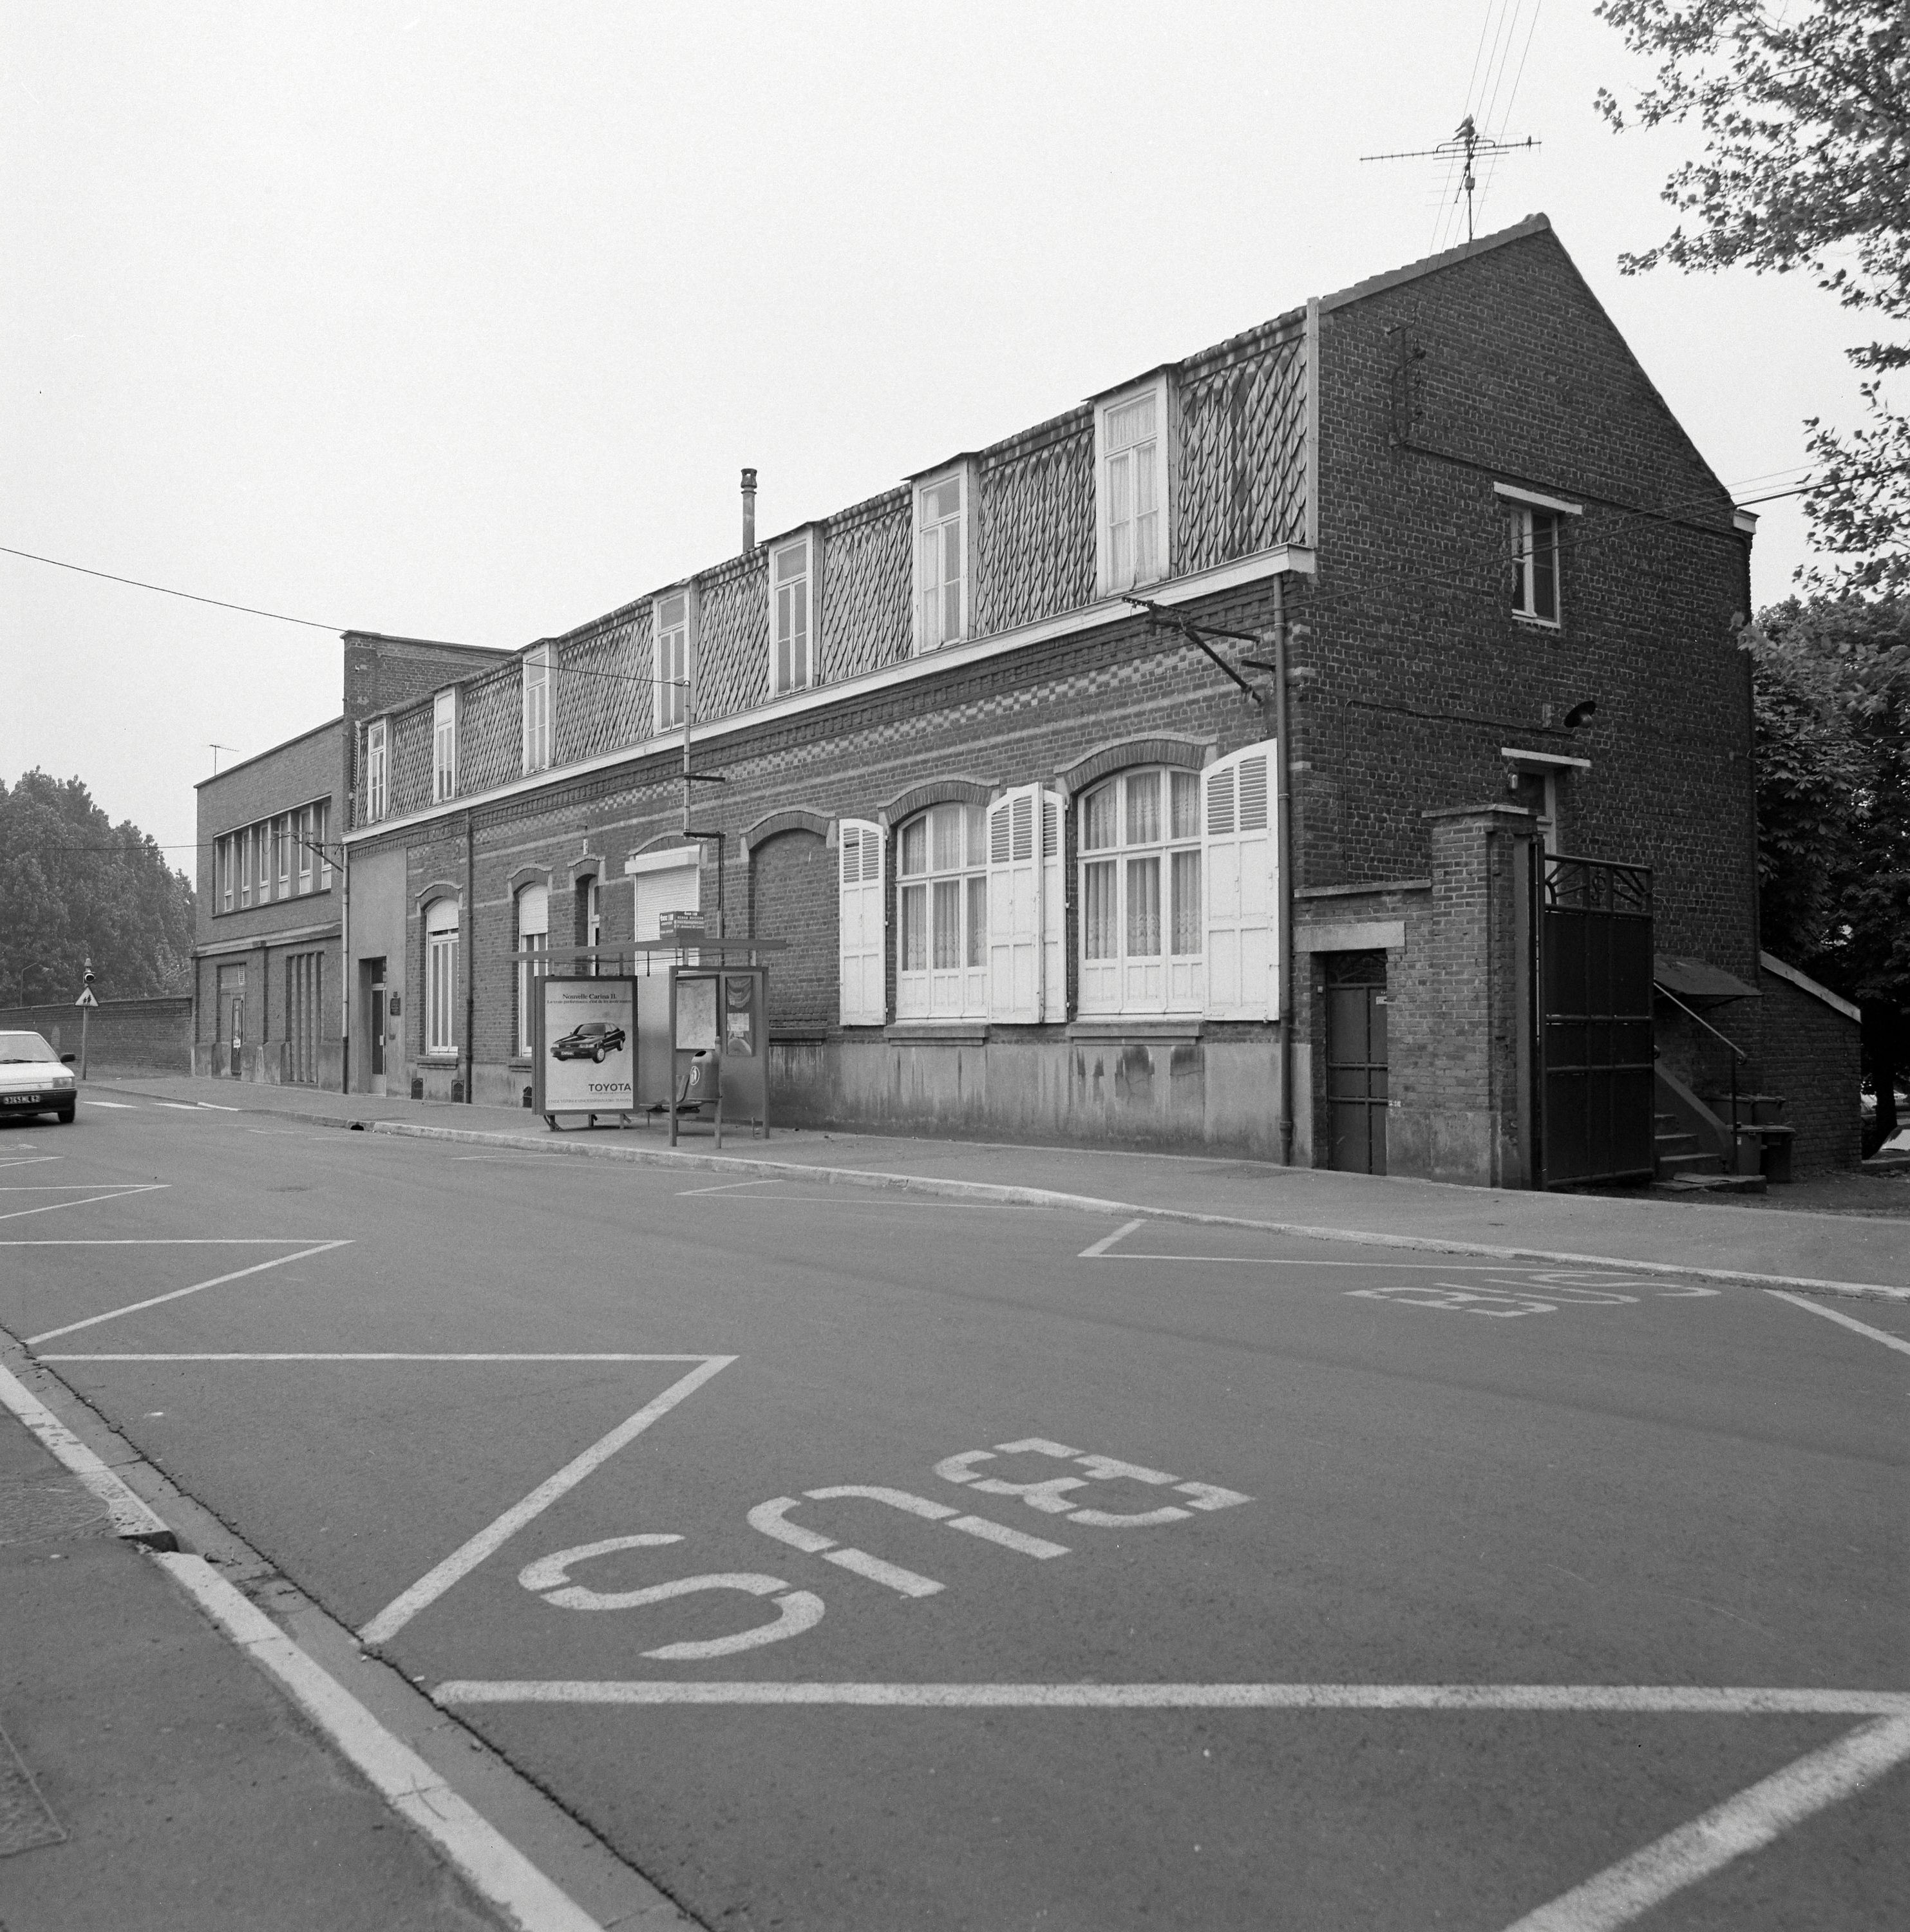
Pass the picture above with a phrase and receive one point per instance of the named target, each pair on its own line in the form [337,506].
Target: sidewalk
[1769,1241]
[156,1779]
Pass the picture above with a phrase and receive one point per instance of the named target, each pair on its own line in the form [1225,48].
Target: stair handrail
[1737,1053]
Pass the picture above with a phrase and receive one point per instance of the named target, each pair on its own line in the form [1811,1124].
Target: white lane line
[131,1518]
[1626,1890]
[182,1106]
[1107,1241]
[1830,1315]
[1653,1699]
[162,1241]
[118,1106]
[86,1200]
[467,1556]
[722,1187]
[383,1357]
[217,1109]
[154,1300]
[488,1862]
[30,1160]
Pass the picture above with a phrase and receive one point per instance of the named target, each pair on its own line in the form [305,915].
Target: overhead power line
[166,590]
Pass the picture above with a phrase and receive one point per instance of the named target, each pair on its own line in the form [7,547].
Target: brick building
[268,995]
[998,763]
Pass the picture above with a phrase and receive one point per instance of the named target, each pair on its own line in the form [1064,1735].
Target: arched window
[1143,942]
[942,915]
[533,936]
[441,976]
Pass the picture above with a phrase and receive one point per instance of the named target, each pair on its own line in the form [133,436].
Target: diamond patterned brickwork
[1035,552]
[490,749]
[1243,453]
[867,585]
[732,637]
[601,688]
[411,760]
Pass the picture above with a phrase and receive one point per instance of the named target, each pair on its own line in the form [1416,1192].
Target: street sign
[86,998]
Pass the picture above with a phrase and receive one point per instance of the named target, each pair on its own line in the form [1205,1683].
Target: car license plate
[23,1100]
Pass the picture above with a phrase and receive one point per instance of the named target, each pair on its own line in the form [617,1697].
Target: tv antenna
[1467,141]
[215,750]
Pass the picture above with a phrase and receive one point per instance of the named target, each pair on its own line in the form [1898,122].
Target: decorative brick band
[527,875]
[936,791]
[1187,754]
[438,889]
[793,820]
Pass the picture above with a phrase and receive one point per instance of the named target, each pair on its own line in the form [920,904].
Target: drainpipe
[1283,859]
[346,976]
[470,955]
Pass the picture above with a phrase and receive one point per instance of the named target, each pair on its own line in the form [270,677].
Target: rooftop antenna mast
[1465,142]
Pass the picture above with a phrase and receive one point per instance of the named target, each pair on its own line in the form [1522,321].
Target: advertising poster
[589,1050]
[739,1015]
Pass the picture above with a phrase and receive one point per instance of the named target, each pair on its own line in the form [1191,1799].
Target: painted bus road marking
[797,1610]
[1538,1292]
[1055,1496]
[771,1518]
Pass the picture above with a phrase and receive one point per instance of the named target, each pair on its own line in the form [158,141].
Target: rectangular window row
[279,858]
[1174,889]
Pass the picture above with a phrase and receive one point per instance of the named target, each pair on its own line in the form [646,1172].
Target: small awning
[1697,982]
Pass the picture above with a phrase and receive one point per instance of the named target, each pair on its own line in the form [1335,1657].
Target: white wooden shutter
[1239,800]
[859,874]
[1015,906]
[1054,910]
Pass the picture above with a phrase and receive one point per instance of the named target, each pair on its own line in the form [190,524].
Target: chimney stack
[749,511]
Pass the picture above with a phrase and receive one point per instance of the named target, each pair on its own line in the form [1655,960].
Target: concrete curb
[133,1520]
[1006,1194]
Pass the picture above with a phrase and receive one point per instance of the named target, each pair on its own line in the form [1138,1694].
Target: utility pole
[86,1003]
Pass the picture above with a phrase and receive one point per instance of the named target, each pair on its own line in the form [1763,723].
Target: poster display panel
[587,1046]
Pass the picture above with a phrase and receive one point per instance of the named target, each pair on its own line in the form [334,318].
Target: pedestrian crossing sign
[86,998]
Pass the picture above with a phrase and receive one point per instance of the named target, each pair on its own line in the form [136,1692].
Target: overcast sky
[459,320]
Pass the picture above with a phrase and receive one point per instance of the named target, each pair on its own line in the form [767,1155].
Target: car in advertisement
[34,1079]
[592,1039]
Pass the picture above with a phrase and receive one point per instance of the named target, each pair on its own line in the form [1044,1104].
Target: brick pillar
[1461,1104]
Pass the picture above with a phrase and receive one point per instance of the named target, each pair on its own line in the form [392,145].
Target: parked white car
[34,1079]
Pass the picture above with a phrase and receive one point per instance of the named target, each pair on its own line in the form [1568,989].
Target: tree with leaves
[1806,115]
[74,886]
[1831,681]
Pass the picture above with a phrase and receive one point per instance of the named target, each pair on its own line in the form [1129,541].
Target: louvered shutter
[1015,907]
[1241,863]
[1054,915]
[859,873]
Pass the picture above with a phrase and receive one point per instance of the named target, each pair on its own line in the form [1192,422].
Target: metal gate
[1356,1061]
[1595,1060]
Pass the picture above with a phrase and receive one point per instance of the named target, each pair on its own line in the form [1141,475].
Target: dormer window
[792,610]
[537,708]
[377,770]
[671,626]
[1132,448]
[444,746]
[943,558]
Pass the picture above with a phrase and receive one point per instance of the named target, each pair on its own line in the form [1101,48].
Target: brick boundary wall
[1811,1054]
[152,1036]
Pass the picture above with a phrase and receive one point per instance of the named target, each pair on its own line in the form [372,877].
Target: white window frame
[781,635]
[1163,981]
[530,939]
[946,902]
[673,657]
[261,846]
[321,838]
[377,769]
[242,861]
[1522,506]
[306,820]
[1113,581]
[282,839]
[444,746]
[536,709]
[932,631]
[442,918]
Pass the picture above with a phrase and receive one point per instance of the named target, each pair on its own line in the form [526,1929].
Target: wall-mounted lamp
[1580,713]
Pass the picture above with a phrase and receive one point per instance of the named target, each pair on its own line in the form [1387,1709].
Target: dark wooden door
[1356,1061]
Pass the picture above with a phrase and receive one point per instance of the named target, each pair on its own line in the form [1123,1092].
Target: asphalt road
[1174,1578]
